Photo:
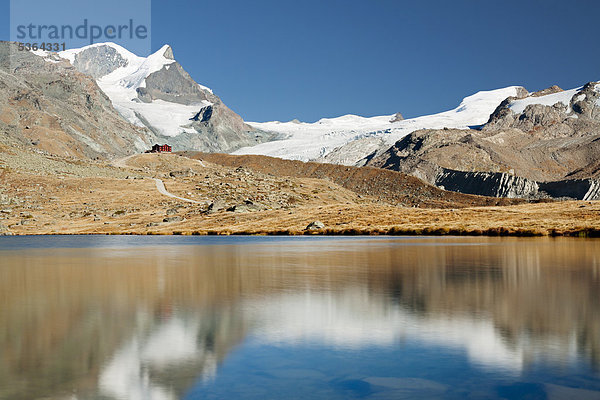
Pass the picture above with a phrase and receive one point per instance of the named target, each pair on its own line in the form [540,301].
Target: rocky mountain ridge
[102,101]
[540,144]
[53,108]
[157,93]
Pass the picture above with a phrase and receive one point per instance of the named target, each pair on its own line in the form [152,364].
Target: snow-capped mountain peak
[350,138]
[157,93]
[114,65]
[70,54]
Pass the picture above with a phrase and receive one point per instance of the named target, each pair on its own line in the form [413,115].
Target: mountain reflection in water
[137,322]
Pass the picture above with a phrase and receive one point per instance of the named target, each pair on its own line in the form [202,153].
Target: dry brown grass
[383,185]
[69,205]
[65,213]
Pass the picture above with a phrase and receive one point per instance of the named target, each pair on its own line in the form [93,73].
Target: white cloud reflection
[351,318]
[171,342]
[355,319]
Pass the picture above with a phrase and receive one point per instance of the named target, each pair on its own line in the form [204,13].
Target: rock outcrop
[506,185]
[561,117]
[397,117]
[551,148]
[99,61]
[494,184]
[551,90]
[586,102]
[173,84]
[218,129]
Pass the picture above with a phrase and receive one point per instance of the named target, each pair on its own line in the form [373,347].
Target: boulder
[215,206]
[315,226]
[182,174]
[176,218]
[4,230]
[247,206]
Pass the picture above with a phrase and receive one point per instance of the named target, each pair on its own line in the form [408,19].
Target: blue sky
[280,59]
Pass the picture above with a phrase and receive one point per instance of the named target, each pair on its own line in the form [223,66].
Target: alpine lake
[186,317]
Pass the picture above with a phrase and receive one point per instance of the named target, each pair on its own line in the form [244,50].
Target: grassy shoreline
[395,231]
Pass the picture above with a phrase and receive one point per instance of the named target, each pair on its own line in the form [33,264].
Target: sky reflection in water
[169,318]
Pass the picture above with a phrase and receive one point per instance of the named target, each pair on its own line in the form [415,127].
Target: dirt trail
[122,162]
[160,185]
[75,197]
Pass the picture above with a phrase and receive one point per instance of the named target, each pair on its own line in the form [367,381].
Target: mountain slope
[349,139]
[553,136]
[385,186]
[157,93]
[54,108]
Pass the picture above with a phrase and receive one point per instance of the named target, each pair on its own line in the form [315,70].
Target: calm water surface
[155,318]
